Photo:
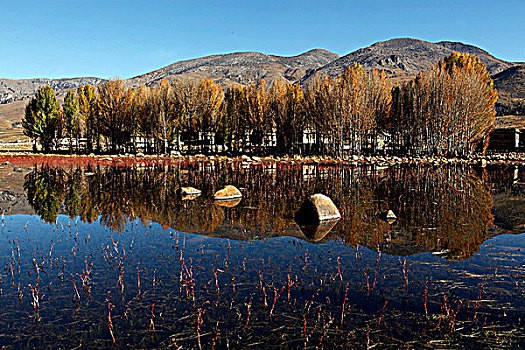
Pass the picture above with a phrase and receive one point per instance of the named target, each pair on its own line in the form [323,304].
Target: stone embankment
[385,160]
[148,160]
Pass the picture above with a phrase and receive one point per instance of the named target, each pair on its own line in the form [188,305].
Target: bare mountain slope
[227,69]
[511,82]
[511,90]
[404,58]
[494,65]
[241,68]
[11,90]
[400,58]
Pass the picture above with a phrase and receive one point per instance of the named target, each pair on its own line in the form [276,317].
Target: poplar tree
[210,96]
[163,114]
[231,127]
[29,122]
[72,120]
[114,102]
[41,119]
[448,110]
[288,112]
[258,111]
[89,113]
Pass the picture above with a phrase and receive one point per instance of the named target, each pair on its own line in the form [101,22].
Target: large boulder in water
[315,209]
[228,203]
[317,232]
[228,192]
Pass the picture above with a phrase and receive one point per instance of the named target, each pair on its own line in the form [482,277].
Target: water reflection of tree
[507,183]
[45,192]
[72,199]
[442,208]
[438,208]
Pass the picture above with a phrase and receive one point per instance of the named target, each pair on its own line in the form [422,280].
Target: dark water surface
[116,258]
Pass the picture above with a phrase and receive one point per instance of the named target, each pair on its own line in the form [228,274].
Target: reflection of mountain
[446,208]
[12,196]
[508,183]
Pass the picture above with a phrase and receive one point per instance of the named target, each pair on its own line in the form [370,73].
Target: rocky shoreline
[150,160]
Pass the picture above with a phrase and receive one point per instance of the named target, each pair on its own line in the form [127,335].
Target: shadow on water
[119,259]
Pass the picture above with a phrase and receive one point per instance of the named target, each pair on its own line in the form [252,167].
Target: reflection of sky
[156,255]
[151,242]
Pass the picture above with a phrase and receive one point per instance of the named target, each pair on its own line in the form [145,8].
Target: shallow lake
[111,256]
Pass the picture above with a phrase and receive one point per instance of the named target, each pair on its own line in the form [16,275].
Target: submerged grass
[73,284]
[146,289]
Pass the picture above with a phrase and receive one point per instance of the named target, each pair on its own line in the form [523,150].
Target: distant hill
[11,90]
[511,90]
[241,68]
[234,68]
[400,58]
[404,58]
[228,69]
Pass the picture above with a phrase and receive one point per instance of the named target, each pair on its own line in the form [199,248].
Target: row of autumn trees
[446,110]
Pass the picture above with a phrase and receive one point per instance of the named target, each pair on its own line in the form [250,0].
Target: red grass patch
[63,160]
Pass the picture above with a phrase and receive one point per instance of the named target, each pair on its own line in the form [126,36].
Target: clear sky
[105,38]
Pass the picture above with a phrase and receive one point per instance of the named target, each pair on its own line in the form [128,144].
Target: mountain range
[400,58]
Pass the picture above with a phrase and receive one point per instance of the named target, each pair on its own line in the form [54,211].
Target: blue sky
[126,38]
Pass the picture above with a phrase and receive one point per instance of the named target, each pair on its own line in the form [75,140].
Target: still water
[106,256]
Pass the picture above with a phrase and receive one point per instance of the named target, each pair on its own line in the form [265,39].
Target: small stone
[388,216]
[189,191]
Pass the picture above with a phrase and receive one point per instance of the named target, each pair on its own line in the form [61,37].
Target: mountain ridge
[510,84]
[400,58]
[241,67]
[15,89]
[403,58]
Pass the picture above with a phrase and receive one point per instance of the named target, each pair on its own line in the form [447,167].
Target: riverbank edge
[152,160]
